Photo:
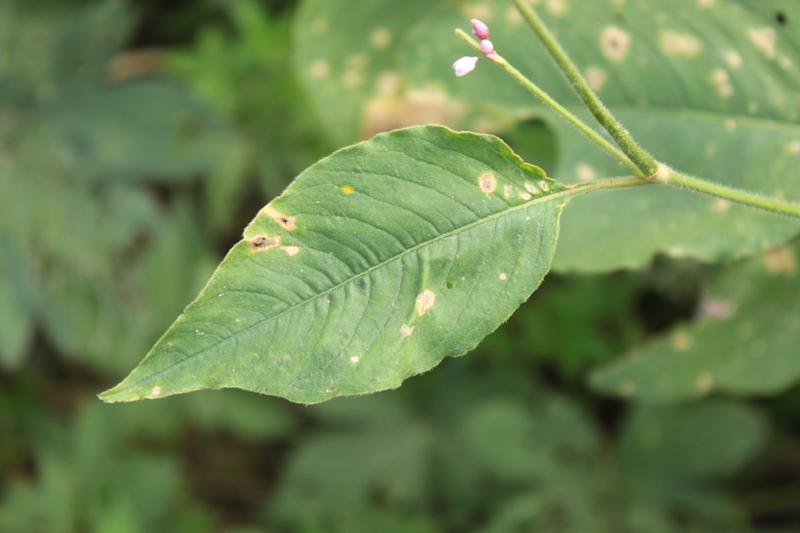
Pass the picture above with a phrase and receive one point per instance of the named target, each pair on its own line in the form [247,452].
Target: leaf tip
[115,395]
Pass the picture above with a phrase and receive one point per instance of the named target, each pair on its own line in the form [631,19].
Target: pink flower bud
[487,47]
[465,65]
[480,29]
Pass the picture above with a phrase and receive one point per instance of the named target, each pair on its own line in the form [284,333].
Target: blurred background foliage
[138,138]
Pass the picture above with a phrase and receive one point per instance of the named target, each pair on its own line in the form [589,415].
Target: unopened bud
[465,65]
[487,47]
[480,29]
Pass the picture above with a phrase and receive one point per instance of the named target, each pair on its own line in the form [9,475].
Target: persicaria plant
[389,255]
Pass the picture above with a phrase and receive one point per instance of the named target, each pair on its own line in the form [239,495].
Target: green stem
[653,172]
[644,161]
[610,183]
[544,97]
[678,179]
[734,195]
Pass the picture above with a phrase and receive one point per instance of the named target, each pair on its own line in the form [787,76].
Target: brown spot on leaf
[487,182]
[260,243]
[615,43]
[286,222]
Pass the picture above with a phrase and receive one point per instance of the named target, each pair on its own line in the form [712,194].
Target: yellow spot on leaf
[487,182]
[722,81]
[720,205]
[355,359]
[557,7]
[681,341]
[292,250]
[513,17]
[347,189]
[319,69]
[156,391]
[387,83]
[482,10]
[793,147]
[679,44]
[764,39]
[780,261]
[320,26]
[733,59]
[352,79]
[380,38]
[596,77]
[705,382]
[585,172]
[357,61]
[503,276]
[615,43]
[406,330]
[525,196]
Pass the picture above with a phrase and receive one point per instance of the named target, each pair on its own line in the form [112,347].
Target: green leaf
[17,296]
[710,88]
[106,132]
[376,263]
[665,448]
[744,339]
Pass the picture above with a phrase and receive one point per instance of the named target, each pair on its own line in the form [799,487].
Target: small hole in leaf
[780,17]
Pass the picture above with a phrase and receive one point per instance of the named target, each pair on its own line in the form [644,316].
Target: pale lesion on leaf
[288,223]
[261,243]
[425,301]
[487,182]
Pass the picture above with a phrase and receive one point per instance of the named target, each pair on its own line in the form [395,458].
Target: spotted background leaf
[711,87]
[374,265]
[743,341]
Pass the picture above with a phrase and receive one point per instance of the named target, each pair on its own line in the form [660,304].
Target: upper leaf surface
[710,87]
[376,263]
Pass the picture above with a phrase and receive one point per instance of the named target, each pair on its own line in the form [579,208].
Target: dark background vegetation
[138,139]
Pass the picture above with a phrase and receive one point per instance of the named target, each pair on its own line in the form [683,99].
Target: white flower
[465,65]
